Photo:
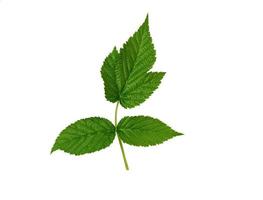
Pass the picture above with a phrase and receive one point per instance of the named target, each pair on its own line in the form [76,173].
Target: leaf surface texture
[85,136]
[126,73]
[144,131]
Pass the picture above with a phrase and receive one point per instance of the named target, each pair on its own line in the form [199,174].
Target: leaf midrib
[133,65]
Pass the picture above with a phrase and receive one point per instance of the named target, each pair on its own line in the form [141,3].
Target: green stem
[119,139]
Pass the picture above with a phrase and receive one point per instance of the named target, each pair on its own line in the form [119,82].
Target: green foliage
[125,74]
[109,77]
[85,136]
[144,131]
[128,81]
[137,92]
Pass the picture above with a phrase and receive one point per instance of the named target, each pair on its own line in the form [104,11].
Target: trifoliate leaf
[109,77]
[144,131]
[128,81]
[85,136]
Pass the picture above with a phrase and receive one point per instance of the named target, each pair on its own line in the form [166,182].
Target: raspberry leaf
[137,92]
[126,74]
[85,136]
[109,77]
[128,81]
[144,131]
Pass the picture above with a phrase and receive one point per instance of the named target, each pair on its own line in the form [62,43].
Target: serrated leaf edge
[176,133]
[53,150]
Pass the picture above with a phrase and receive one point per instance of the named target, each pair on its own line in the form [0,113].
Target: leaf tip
[178,134]
[53,149]
[162,74]
[146,21]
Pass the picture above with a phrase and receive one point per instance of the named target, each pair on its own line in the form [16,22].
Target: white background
[50,57]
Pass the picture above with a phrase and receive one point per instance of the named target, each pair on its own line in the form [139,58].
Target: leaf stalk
[119,139]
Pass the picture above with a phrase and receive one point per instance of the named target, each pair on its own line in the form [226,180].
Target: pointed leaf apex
[53,149]
[178,134]
[146,21]
[144,131]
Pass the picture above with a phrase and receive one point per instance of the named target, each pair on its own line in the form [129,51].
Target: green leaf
[138,91]
[85,136]
[126,73]
[136,58]
[144,131]
[109,77]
